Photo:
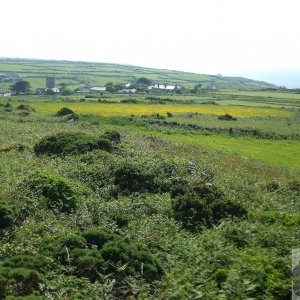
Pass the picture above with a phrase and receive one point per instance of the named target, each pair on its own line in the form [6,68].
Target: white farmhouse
[98,89]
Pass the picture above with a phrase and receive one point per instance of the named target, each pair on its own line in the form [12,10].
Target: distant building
[50,82]
[98,89]
[128,91]
[166,87]
[45,91]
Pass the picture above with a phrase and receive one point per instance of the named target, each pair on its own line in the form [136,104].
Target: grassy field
[180,207]
[81,74]
[146,109]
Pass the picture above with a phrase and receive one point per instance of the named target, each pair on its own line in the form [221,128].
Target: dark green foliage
[98,237]
[113,135]
[98,250]
[36,262]
[272,186]
[132,178]
[222,208]
[66,143]
[88,264]
[56,191]
[105,145]
[294,185]
[71,118]
[24,280]
[20,87]
[7,214]
[191,210]
[64,111]
[7,105]
[25,107]
[135,260]
[203,204]
[143,80]
[227,117]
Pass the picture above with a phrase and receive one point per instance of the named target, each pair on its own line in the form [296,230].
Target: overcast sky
[254,38]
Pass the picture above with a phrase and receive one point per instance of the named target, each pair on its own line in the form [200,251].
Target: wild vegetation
[148,199]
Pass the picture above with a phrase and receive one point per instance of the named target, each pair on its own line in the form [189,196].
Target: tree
[21,86]
[143,80]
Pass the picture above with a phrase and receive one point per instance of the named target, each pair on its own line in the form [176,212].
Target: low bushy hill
[87,74]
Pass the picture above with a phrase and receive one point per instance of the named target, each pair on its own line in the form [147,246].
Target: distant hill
[87,74]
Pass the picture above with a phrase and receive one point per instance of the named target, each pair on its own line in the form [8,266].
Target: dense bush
[25,107]
[227,117]
[56,191]
[132,178]
[7,214]
[104,144]
[22,280]
[36,262]
[203,204]
[114,136]
[98,237]
[98,250]
[64,111]
[66,143]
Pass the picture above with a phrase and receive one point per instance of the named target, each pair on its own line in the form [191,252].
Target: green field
[83,74]
[148,200]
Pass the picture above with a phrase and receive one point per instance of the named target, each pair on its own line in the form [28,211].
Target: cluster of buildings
[164,87]
[50,86]
[127,88]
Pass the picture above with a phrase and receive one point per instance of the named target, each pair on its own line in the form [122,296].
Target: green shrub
[66,143]
[22,281]
[191,210]
[36,262]
[294,185]
[88,263]
[272,186]
[202,204]
[118,253]
[132,178]
[222,208]
[64,111]
[58,193]
[98,237]
[7,214]
[113,136]
[25,107]
[227,117]
[98,250]
[105,145]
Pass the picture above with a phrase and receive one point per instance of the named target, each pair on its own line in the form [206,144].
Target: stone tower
[50,82]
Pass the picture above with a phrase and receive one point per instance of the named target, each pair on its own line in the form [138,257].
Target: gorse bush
[64,111]
[203,204]
[57,192]
[130,177]
[70,143]
[227,117]
[24,281]
[25,107]
[98,250]
[113,136]
[7,214]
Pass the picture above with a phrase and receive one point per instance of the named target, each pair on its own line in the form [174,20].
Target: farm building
[165,87]
[98,89]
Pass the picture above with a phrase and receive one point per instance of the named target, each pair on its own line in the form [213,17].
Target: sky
[258,39]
